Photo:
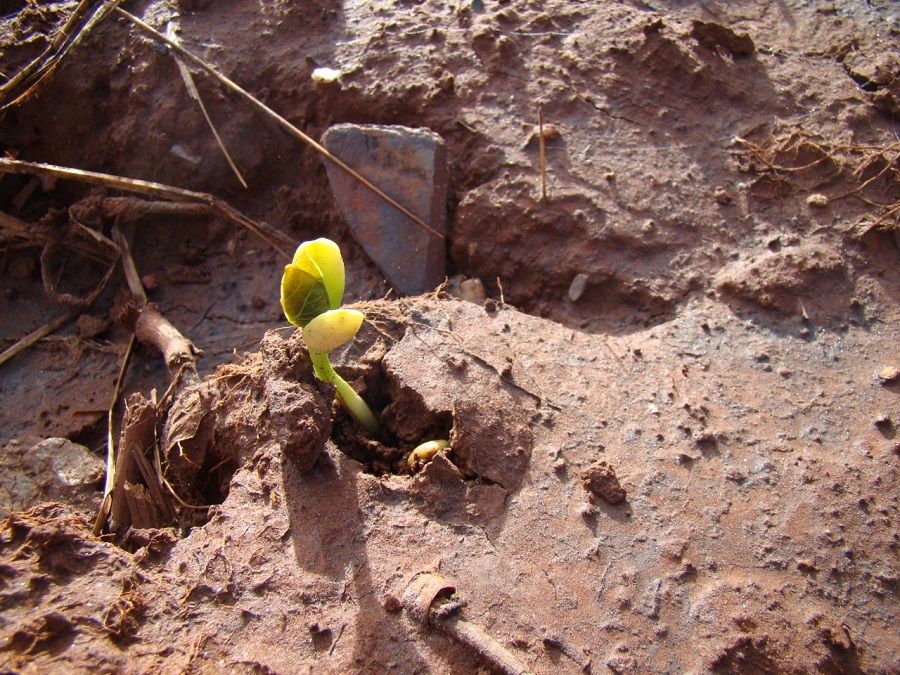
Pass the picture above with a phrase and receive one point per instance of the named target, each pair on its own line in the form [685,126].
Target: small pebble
[889,374]
[884,424]
[325,75]
[392,603]
[576,289]
[817,200]
[472,290]
[600,480]
[551,132]
[806,566]
[722,196]
[150,281]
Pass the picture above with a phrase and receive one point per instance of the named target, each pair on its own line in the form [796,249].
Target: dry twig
[33,337]
[431,600]
[78,305]
[543,147]
[277,240]
[151,327]
[79,23]
[864,165]
[103,513]
[195,94]
[287,126]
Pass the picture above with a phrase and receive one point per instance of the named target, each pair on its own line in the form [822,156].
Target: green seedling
[311,292]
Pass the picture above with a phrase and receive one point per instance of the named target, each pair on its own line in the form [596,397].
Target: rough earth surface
[673,422]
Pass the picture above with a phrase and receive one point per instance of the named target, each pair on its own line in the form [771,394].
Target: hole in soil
[387,455]
[215,482]
[406,420]
[489,434]
[92,435]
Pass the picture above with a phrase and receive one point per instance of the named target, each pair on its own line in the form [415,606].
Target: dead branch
[151,327]
[431,600]
[21,234]
[128,209]
[68,298]
[36,235]
[134,492]
[13,228]
[133,504]
[148,324]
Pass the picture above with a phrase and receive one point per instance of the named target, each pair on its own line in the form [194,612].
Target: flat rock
[410,165]
[35,470]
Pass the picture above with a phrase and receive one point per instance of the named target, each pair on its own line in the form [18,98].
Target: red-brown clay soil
[703,317]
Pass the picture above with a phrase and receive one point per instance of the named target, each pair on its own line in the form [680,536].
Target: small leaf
[314,281]
[326,255]
[303,295]
[330,330]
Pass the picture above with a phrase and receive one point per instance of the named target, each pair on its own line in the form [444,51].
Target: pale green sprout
[311,292]
[425,453]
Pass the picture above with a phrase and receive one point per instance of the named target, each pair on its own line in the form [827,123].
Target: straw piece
[290,128]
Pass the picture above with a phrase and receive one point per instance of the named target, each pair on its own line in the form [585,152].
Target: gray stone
[35,470]
[409,165]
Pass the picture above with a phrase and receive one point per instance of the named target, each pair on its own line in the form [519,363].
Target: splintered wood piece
[138,433]
[431,600]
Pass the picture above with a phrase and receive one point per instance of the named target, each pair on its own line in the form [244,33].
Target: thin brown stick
[74,30]
[15,227]
[543,148]
[889,164]
[180,501]
[150,326]
[36,335]
[277,240]
[126,209]
[79,304]
[431,600]
[195,94]
[103,512]
[26,234]
[132,276]
[67,298]
[894,210]
[476,639]
[287,126]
